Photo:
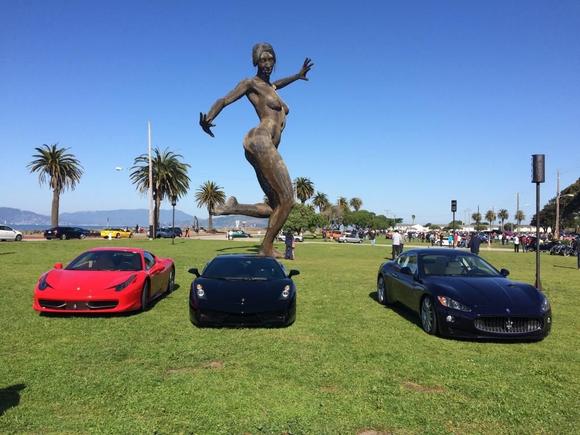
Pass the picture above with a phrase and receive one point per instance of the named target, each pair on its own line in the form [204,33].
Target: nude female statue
[261,143]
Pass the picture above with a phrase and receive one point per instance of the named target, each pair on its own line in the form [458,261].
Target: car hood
[85,283]
[242,295]
[489,294]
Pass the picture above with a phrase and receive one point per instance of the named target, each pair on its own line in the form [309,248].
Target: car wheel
[171,283]
[145,296]
[130,235]
[18,237]
[82,236]
[428,316]
[383,294]
[63,237]
[117,236]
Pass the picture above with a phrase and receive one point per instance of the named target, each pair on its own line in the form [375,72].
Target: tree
[356,203]
[61,170]
[503,215]
[209,195]
[301,217]
[477,218]
[342,203]
[519,217]
[320,200]
[304,189]
[169,177]
[490,217]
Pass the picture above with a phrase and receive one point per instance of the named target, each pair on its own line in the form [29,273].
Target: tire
[63,237]
[383,295]
[171,282]
[82,236]
[428,316]
[145,296]
[18,238]
[117,236]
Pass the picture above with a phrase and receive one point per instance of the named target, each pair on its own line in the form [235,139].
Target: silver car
[350,238]
[7,233]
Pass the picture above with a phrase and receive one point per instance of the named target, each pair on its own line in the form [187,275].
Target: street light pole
[538,177]
[173,204]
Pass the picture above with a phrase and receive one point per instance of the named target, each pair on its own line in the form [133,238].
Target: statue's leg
[232,206]
[275,182]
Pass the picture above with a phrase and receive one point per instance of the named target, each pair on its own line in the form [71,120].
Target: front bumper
[453,323]
[205,317]
[112,302]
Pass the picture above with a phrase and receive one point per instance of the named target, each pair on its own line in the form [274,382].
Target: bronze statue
[261,143]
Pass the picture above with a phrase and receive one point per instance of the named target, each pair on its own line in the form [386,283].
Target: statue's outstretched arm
[279,84]
[205,120]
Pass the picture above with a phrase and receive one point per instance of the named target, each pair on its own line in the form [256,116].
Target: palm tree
[209,195]
[60,169]
[304,189]
[169,177]
[342,203]
[503,216]
[519,217]
[490,217]
[356,203]
[477,218]
[320,200]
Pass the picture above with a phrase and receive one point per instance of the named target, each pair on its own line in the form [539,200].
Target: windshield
[456,265]
[232,268]
[106,260]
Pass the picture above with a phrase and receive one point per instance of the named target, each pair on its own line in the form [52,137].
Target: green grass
[347,364]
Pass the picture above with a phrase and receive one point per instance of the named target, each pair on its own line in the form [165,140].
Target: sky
[410,104]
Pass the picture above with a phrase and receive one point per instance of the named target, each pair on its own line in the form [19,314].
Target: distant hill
[130,218]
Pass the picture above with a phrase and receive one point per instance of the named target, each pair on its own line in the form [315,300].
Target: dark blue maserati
[459,294]
[242,290]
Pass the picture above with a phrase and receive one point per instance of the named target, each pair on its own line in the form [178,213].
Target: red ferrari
[105,280]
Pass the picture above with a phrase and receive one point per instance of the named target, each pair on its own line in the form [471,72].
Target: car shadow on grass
[399,309]
[10,397]
[152,305]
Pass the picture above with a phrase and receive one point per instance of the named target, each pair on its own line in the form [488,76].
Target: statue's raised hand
[305,68]
[205,124]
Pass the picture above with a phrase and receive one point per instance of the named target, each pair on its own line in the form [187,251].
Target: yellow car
[116,233]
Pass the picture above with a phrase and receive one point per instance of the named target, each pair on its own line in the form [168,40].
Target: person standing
[516,244]
[372,237]
[474,244]
[396,244]
[578,251]
[289,243]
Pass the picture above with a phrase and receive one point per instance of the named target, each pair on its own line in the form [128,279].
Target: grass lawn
[346,365]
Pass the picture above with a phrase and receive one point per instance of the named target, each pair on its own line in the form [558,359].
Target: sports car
[116,233]
[105,280]
[242,290]
[459,294]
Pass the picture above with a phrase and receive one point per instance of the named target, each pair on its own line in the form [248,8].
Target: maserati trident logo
[509,324]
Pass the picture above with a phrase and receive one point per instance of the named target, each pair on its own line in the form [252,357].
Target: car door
[4,233]
[155,272]
[405,283]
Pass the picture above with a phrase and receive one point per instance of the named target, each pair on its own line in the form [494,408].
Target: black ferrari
[242,290]
[459,294]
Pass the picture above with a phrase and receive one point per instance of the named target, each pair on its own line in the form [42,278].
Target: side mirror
[194,271]
[293,272]
[504,272]
[58,265]
[406,270]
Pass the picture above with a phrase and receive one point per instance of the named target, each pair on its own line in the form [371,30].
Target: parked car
[350,238]
[105,280]
[459,294]
[8,233]
[297,237]
[237,234]
[242,289]
[116,233]
[64,233]
[168,232]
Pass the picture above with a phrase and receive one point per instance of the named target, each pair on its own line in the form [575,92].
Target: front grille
[508,325]
[243,318]
[76,305]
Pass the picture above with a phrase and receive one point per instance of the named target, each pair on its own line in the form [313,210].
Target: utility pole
[517,210]
[150,191]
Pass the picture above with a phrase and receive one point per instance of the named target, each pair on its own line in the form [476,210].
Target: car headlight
[43,283]
[545,305]
[286,292]
[452,303]
[125,283]
[200,291]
